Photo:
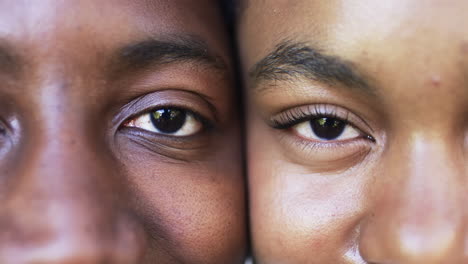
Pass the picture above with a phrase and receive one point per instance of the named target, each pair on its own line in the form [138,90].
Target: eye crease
[168,121]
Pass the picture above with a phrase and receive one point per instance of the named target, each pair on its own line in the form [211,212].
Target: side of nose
[419,216]
[65,204]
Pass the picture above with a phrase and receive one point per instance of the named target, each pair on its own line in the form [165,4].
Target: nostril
[120,242]
[78,251]
[57,253]
[385,242]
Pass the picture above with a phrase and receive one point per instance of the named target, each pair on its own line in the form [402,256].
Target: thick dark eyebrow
[292,60]
[145,53]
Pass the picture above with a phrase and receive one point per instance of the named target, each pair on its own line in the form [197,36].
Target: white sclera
[191,125]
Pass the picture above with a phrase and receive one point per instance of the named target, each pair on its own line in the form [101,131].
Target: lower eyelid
[192,122]
[303,128]
[328,144]
[321,155]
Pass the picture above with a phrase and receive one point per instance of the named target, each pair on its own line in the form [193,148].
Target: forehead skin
[66,98]
[344,27]
[108,24]
[376,37]
[414,57]
[123,19]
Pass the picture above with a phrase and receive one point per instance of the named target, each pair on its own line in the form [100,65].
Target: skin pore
[357,130]
[114,119]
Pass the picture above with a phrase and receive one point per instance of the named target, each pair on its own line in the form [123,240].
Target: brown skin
[393,189]
[80,182]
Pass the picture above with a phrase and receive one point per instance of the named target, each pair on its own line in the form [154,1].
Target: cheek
[191,210]
[301,216]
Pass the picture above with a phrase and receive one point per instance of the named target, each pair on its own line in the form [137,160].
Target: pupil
[327,128]
[168,120]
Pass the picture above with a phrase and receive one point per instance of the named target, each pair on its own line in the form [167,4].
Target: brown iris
[327,128]
[168,120]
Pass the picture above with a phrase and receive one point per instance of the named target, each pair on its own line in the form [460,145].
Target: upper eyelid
[322,109]
[146,103]
[147,111]
[182,99]
[197,116]
[298,115]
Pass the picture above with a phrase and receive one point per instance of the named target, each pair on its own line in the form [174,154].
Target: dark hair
[228,8]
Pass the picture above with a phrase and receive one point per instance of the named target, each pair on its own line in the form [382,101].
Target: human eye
[172,121]
[321,123]
[326,137]
[327,129]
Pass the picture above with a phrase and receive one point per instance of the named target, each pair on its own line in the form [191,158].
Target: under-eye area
[172,123]
[323,132]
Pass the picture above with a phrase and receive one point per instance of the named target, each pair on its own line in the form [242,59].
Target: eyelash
[289,118]
[298,115]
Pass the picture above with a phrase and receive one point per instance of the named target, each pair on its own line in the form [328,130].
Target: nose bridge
[65,167]
[65,203]
[65,159]
[429,205]
[419,214]
[61,182]
[60,146]
[61,151]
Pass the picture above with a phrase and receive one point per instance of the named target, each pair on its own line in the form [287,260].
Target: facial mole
[436,80]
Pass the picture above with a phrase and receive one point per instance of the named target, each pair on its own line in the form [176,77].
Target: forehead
[62,23]
[347,26]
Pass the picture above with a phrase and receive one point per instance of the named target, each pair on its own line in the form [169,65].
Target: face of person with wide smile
[114,123]
[357,130]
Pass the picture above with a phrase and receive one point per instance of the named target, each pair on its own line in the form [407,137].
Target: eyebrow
[291,60]
[179,49]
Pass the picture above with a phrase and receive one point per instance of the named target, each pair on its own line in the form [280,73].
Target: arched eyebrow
[292,60]
[178,49]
